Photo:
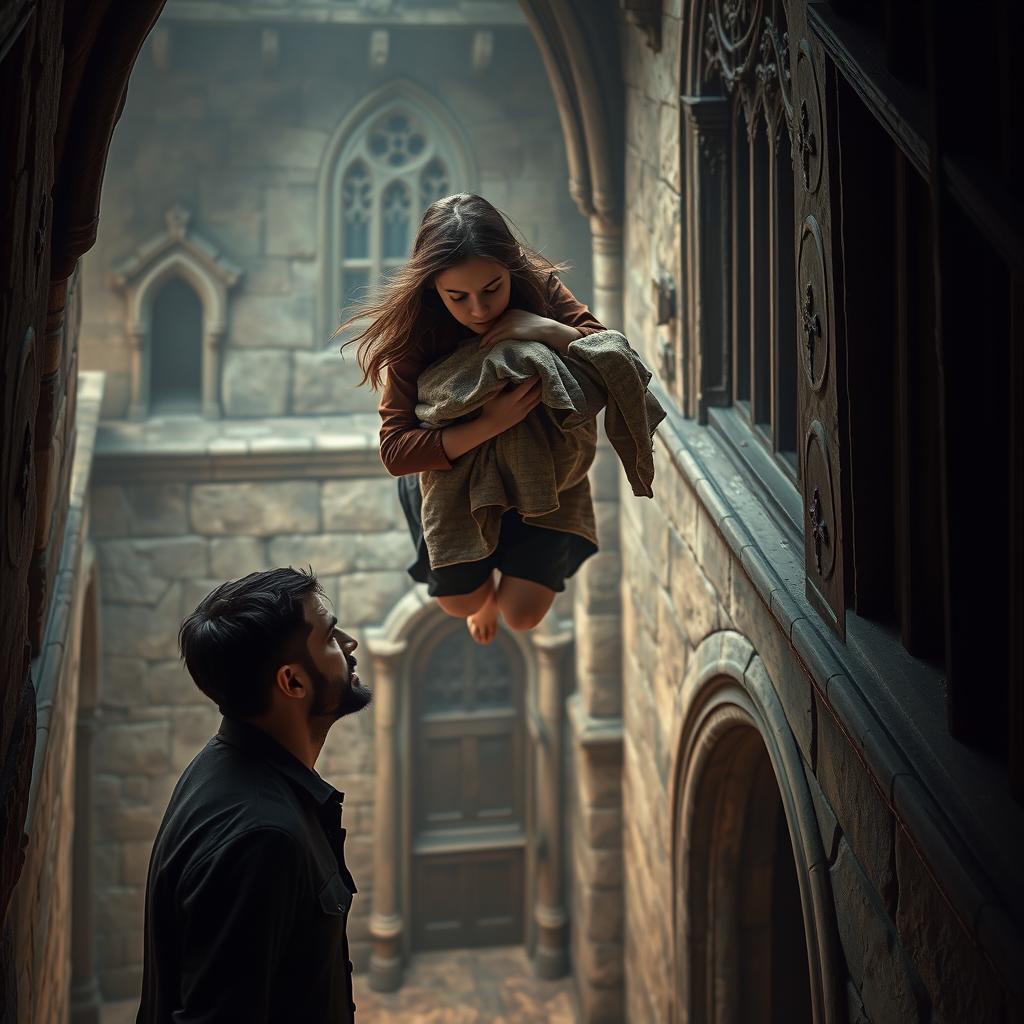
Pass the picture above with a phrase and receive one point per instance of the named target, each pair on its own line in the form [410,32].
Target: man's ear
[290,682]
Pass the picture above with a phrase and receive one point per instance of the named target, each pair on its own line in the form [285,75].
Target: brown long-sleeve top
[405,446]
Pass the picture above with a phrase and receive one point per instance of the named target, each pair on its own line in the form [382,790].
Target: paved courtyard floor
[491,986]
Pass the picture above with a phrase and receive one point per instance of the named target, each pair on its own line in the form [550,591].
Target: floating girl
[488,413]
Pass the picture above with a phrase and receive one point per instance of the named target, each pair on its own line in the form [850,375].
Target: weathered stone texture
[256,383]
[361,505]
[959,981]
[878,967]
[324,383]
[256,510]
[137,571]
[367,597]
[234,557]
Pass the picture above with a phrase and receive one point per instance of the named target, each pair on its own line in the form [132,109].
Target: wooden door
[468,794]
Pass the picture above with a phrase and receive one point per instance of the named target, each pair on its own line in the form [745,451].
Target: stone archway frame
[727,679]
[179,252]
[406,628]
[398,91]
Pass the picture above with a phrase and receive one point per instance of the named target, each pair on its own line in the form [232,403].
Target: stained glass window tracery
[395,166]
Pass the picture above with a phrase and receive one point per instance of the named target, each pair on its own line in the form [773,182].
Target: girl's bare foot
[483,624]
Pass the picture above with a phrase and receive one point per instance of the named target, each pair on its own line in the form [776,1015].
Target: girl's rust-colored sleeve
[405,446]
[567,309]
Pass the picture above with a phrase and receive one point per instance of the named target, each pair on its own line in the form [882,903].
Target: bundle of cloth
[539,466]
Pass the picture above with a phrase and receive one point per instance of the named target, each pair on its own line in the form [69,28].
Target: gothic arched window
[176,289]
[393,171]
[393,157]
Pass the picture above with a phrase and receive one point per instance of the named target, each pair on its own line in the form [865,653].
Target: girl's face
[475,292]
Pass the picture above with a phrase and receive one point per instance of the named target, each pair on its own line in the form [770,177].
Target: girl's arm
[569,320]
[406,447]
[503,411]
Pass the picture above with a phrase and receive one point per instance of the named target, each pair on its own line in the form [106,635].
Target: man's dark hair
[242,632]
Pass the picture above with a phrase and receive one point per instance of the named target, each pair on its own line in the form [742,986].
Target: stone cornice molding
[224,467]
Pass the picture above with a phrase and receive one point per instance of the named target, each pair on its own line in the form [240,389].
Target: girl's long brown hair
[407,313]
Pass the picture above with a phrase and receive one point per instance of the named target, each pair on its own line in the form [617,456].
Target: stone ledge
[910,751]
[196,450]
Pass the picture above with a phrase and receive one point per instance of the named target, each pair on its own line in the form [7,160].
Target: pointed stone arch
[740,805]
[177,252]
[445,142]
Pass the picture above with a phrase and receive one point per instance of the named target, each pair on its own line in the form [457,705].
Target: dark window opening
[176,350]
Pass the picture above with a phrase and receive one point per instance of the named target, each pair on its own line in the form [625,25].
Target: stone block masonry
[162,545]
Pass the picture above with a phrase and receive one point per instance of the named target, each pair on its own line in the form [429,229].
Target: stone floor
[492,986]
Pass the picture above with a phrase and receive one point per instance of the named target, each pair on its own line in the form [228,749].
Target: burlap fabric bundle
[540,465]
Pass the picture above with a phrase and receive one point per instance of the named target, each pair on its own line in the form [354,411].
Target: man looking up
[248,893]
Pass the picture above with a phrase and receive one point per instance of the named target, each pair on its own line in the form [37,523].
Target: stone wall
[702,558]
[240,146]
[161,546]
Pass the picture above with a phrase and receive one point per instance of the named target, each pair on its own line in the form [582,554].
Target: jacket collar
[255,741]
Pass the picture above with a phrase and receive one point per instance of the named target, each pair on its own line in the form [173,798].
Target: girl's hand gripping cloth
[540,465]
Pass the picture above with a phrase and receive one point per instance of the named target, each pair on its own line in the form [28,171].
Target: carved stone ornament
[813,304]
[810,324]
[646,16]
[747,46]
[819,528]
[819,505]
[807,127]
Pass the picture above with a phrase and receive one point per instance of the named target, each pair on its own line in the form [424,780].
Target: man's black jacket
[248,894]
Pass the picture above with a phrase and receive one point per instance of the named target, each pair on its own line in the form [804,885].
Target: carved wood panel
[819,388]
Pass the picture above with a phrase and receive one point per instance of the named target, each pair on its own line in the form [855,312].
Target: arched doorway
[467,793]
[754,932]
[746,946]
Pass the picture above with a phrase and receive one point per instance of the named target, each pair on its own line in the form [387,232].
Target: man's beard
[336,700]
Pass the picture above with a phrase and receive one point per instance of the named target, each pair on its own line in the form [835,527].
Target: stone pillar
[386,918]
[596,708]
[551,956]
[606,255]
[138,340]
[85,992]
[211,372]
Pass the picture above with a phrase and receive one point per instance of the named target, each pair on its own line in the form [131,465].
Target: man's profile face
[337,690]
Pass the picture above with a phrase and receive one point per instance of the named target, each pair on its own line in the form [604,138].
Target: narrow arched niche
[746,945]
[176,349]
